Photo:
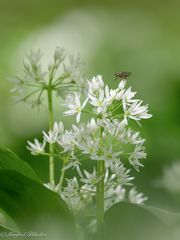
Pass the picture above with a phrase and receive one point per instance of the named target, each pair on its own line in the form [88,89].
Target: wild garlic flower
[36,80]
[121,173]
[95,84]
[53,135]
[67,141]
[74,105]
[90,178]
[128,98]
[135,197]
[72,195]
[136,155]
[114,195]
[36,147]
[106,136]
[137,112]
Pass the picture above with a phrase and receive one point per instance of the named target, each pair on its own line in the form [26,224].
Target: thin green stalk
[51,146]
[61,181]
[100,200]
[100,197]
[51,122]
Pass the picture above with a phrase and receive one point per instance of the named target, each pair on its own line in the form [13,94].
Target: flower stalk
[61,181]
[51,145]
[100,195]
[100,200]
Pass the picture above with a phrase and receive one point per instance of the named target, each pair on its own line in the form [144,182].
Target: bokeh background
[139,36]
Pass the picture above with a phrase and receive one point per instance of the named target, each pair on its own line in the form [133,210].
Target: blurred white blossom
[35,80]
[170,179]
[135,197]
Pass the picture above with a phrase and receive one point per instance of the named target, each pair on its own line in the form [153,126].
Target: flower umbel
[34,82]
[106,137]
[107,140]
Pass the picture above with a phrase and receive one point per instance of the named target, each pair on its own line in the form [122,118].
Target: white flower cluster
[105,137]
[35,81]
[101,99]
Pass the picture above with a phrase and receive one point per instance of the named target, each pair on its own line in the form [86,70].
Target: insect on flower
[122,75]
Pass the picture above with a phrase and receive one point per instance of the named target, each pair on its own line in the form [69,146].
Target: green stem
[51,146]
[100,195]
[100,200]
[61,181]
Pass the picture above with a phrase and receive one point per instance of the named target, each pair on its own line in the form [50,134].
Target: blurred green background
[139,36]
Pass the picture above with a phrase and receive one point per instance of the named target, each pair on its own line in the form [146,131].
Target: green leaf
[133,222]
[10,161]
[167,217]
[34,207]
[4,229]
[6,222]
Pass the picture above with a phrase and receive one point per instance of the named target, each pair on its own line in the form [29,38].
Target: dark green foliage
[133,222]
[10,161]
[32,206]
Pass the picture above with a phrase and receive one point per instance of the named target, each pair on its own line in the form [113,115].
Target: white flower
[95,84]
[138,153]
[137,112]
[107,124]
[67,141]
[134,137]
[71,194]
[72,188]
[135,197]
[91,178]
[58,127]
[120,131]
[110,94]
[78,131]
[36,147]
[89,146]
[113,196]
[74,163]
[74,104]
[50,137]
[53,135]
[128,98]
[75,196]
[98,101]
[119,95]
[122,174]
[122,84]
[110,156]
[109,179]
[91,126]
[59,54]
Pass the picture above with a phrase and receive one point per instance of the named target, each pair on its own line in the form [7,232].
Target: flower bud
[59,54]
[119,95]
[26,64]
[122,84]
